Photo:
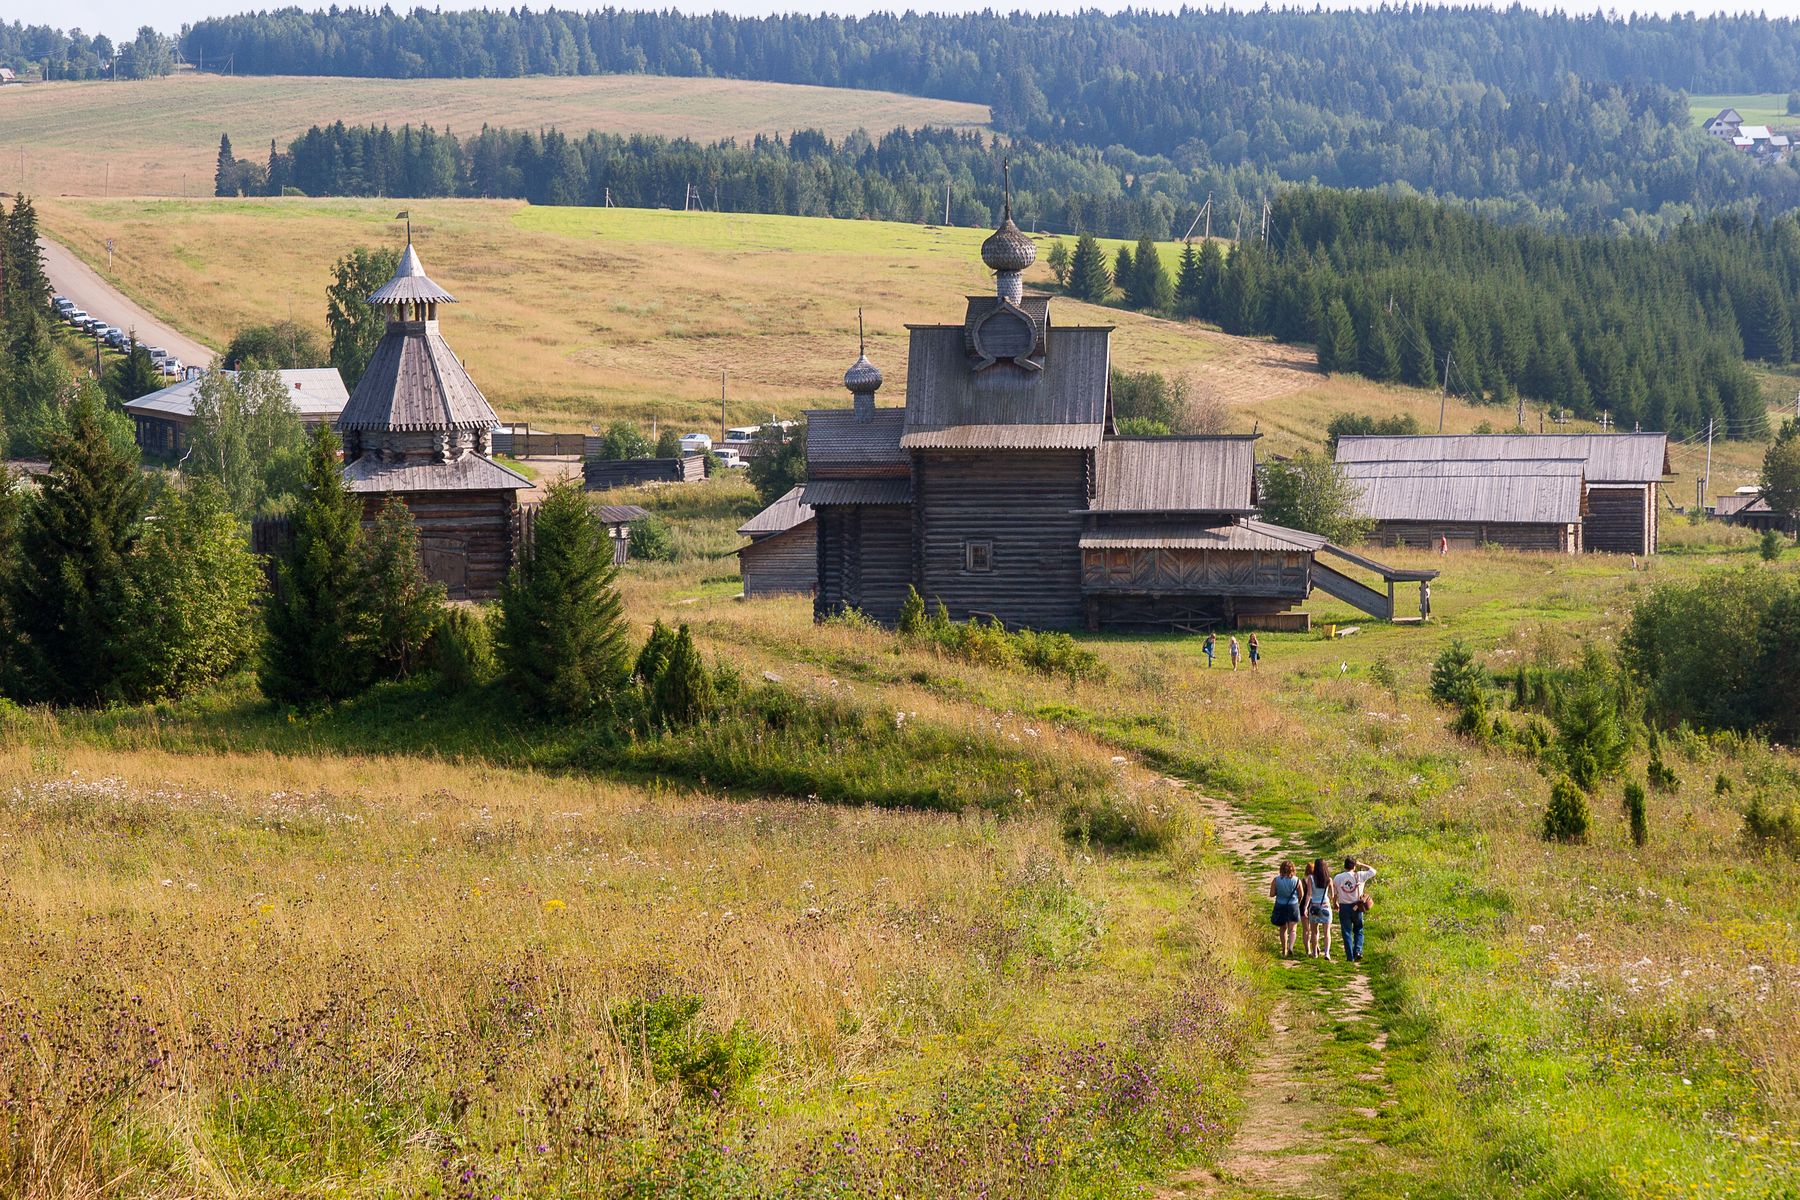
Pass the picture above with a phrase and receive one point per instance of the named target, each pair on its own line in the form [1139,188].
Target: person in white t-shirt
[1347,891]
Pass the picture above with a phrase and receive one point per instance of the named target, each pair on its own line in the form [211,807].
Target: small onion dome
[863,376]
[1008,249]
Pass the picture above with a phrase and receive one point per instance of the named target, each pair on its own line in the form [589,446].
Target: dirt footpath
[73,278]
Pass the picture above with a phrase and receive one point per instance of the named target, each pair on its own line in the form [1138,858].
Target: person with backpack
[1315,903]
[1285,888]
[1209,645]
[1349,890]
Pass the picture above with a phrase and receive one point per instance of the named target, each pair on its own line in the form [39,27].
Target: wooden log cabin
[1523,504]
[1622,474]
[417,429]
[782,557]
[1001,489]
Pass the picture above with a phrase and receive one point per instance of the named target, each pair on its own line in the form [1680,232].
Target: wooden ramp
[1360,595]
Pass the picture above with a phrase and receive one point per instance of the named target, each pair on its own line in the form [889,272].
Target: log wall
[1027,505]
[466,539]
[1620,520]
[1560,539]
[864,557]
[784,564]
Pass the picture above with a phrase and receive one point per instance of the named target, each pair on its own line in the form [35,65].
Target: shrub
[1057,654]
[1383,675]
[1473,720]
[562,634]
[1767,824]
[1771,545]
[462,648]
[1634,812]
[1566,818]
[1455,677]
[707,1065]
[1591,739]
[1122,823]
[652,540]
[683,691]
[655,654]
[912,609]
[404,606]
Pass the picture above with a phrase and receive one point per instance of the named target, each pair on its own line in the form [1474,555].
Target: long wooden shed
[1526,504]
[782,557]
[1622,474]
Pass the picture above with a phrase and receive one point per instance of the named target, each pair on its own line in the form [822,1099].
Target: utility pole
[109,250]
[1444,397]
[1519,424]
[607,203]
[1707,486]
[946,202]
[1205,211]
[1606,422]
[721,405]
[1266,209]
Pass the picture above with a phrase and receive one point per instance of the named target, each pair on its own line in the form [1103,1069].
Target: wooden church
[417,428]
[1002,489]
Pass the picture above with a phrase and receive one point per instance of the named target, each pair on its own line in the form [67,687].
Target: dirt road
[81,283]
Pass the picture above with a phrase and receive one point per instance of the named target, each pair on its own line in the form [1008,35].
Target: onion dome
[863,376]
[1008,249]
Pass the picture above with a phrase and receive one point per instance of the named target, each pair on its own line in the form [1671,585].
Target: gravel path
[73,278]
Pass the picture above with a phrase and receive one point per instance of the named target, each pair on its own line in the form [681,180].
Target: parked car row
[112,335]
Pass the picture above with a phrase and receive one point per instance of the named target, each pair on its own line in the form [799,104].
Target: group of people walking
[1309,900]
[1211,647]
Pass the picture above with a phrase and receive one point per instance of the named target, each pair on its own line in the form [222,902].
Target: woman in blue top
[1285,888]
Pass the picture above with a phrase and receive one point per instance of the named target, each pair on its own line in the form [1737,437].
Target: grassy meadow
[1759,108]
[571,317]
[159,137]
[415,946]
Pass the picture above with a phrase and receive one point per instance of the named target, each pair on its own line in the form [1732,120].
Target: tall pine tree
[1212,274]
[1188,282]
[1087,271]
[317,647]
[1123,268]
[1148,289]
[1337,339]
[71,589]
[225,174]
[562,636]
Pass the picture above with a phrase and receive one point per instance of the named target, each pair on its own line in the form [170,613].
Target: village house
[1759,140]
[1530,491]
[419,430]
[782,557]
[160,420]
[1747,506]
[1001,489]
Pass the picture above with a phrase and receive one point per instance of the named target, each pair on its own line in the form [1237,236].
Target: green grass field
[454,921]
[160,137]
[1760,108]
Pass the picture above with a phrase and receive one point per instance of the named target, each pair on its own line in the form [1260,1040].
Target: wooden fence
[600,474]
[526,444]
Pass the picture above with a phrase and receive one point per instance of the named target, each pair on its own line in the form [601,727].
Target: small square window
[978,556]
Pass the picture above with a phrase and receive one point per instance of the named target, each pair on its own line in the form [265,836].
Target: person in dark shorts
[1315,904]
[1285,888]
[1255,652]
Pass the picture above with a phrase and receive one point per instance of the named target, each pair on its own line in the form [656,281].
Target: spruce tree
[562,636]
[12,512]
[1087,271]
[25,282]
[134,375]
[318,644]
[1337,340]
[71,592]
[1417,361]
[225,174]
[1148,289]
[404,606]
[1380,352]
[1123,267]
[655,654]
[683,693]
[1212,275]
[668,443]
[1189,284]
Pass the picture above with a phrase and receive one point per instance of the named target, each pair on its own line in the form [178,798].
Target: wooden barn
[1749,508]
[160,419]
[782,557]
[417,428]
[1001,489]
[1622,476]
[1522,504]
[604,474]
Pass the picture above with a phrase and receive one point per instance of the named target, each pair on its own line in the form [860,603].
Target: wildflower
[554,906]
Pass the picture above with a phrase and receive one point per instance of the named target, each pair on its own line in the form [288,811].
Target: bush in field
[562,636]
[1456,679]
[990,644]
[1566,818]
[1634,812]
[668,443]
[1119,823]
[462,649]
[1771,545]
[652,540]
[655,654]
[682,691]
[664,1031]
[623,440]
[1312,492]
[1591,741]
[912,609]
[1768,823]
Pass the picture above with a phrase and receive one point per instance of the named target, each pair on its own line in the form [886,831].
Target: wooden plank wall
[1191,572]
[600,474]
[1562,539]
[783,565]
[1027,503]
[1619,520]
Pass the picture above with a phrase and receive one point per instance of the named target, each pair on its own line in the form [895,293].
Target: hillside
[574,316]
[159,137]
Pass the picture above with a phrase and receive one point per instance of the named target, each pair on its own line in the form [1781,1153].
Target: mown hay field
[159,137]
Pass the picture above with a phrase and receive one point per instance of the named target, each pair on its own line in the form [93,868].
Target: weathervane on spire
[862,348]
[1006,189]
[405,214]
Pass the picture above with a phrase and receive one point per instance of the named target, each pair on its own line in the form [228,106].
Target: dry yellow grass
[160,137]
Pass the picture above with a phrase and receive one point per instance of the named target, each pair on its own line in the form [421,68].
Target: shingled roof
[410,284]
[1609,457]
[414,381]
[835,439]
[471,473]
[1176,474]
[784,514]
[1005,407]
